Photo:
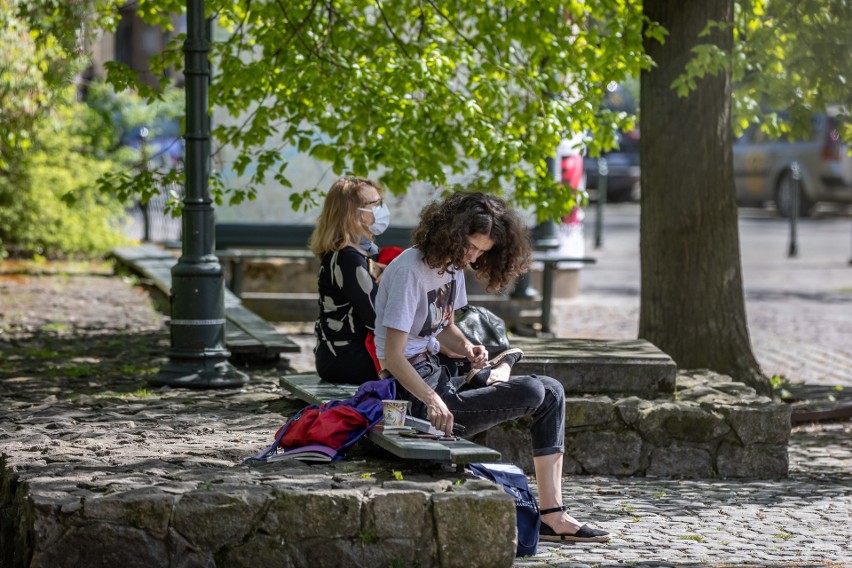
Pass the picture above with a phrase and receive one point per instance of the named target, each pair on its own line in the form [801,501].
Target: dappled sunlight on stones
[158,473]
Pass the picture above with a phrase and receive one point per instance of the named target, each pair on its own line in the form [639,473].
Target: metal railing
[150,222]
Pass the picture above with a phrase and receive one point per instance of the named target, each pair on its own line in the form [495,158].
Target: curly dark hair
[442,237]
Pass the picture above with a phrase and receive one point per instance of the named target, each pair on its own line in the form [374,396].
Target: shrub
[49,202]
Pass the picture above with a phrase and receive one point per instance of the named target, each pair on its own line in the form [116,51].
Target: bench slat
[314,390]
[460,451]
[257,327]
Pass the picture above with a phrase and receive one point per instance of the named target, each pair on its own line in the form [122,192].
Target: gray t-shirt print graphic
[440,302]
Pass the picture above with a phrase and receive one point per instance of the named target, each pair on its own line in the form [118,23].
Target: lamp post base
[206,374]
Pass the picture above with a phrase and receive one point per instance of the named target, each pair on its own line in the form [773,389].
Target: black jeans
[478,409]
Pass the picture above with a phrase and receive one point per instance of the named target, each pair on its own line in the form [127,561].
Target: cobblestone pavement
[801,521]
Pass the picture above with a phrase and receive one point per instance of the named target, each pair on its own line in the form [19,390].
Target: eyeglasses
[378,202]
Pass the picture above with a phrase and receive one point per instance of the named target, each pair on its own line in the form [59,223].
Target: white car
[763,168]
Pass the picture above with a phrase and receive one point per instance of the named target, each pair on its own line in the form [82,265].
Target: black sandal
[478,378]
[583,534]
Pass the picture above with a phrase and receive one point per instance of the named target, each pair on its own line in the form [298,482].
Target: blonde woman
[352,215]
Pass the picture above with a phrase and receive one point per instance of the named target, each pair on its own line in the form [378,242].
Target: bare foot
[561,522]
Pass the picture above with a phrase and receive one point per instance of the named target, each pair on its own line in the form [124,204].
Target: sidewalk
[803,521]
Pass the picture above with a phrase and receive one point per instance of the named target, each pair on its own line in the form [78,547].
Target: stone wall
[710,427]
[268,515]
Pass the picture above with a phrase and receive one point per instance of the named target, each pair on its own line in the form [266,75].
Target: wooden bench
[311,389]
[246,333]
[237,243]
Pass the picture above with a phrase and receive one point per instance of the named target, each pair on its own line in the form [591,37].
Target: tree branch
[390,29]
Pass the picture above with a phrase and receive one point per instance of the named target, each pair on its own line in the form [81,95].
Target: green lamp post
[198,357]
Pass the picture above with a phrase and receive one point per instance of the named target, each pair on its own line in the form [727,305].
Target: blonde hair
[339,224]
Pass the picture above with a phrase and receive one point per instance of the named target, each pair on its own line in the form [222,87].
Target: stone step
[713,428]
[625,367]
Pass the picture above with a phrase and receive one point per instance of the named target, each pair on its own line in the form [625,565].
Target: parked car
[622,161]
[763,168]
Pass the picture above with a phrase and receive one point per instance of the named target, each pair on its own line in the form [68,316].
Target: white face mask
[381,214]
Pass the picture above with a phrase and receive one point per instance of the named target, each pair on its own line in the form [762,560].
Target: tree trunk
[692,292]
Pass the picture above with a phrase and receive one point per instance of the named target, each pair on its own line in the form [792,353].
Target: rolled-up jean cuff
[541,452]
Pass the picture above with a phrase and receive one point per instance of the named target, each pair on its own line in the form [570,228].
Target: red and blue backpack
[337,424]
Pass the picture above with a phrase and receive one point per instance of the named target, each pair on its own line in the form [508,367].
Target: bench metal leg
[237,277]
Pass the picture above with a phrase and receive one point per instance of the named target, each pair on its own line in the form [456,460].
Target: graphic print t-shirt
[414,298]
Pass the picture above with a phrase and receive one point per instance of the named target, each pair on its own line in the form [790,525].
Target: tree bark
[692,304]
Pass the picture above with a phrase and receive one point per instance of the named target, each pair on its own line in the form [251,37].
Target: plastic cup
[394,412]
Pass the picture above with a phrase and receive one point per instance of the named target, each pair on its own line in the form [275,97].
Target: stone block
[482,521]
[705,395]
[323,551]
[762,461]
[212,519]
[48,521]
[570,466]
[632,408]
[298,515]
[680,460]
[768,423]
[260,549]
[398,514]
[593,366]
[281,275]
[400,552]
[512,439]
[588,412]
[103,545]
[680,421]
[186,555]
[149,509]
[606,452]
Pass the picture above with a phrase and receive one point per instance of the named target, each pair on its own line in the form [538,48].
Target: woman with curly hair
[414,322]
[353,212]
